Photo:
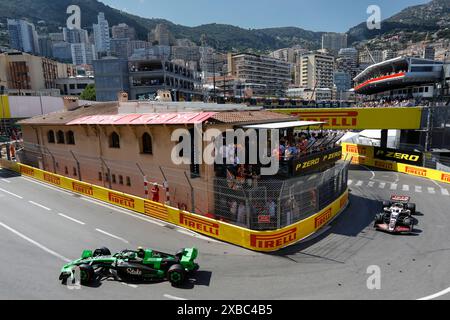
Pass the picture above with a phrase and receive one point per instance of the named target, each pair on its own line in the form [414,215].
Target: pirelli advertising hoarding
[361,118]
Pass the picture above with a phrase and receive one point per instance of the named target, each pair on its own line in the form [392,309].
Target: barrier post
[192,192]
[53,159]
[109,173]
[78,166]
[8,152]
[166,187]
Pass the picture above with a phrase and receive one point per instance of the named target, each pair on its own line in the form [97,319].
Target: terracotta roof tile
[250,117]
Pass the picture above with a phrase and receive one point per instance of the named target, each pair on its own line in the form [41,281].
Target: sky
[315,15]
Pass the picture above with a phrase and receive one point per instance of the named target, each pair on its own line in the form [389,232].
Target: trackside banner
[268,241]
[394,163]
[361,118]
[401,156]
[310,163]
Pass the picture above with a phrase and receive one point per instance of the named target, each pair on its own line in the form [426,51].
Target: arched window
[60,137]
[70,137]
[51,136]
[147,144]
[114,141]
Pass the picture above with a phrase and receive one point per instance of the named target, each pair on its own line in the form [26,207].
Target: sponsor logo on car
[81,188]
[199,224]
[52,179]
[121,200]
[273,241]
[27,171]
[134,272]
[445,177]
[416,171]
[322,219]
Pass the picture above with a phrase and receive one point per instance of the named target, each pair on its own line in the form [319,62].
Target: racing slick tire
[411,207]
[176,275]
[379,218]
[102,252]
[408,222]
[87,274]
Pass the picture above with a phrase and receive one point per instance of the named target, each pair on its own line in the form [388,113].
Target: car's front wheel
[176,275]
[87,274]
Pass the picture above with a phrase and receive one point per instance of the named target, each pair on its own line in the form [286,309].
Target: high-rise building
[45,47]
[101,34]
[333,42]
[122,31]
[120,48]
[82,53]
[75,35]
[315,70]
[286,54]
[264,75]
[161,35]
[429,53]
[23,36]
[347,61]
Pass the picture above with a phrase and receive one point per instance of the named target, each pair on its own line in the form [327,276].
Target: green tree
[89,93]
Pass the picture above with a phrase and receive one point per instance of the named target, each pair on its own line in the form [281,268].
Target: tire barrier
[262,241]
[367,155]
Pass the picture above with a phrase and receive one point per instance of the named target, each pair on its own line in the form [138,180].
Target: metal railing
[257,203]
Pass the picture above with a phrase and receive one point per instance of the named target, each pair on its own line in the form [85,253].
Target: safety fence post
[78,166]
[109,173]
[192,192]
[53,159]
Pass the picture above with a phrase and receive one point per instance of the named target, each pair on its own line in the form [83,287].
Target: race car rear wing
[397,198]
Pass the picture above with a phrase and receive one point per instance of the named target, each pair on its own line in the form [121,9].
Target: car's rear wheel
[102,252]
[87,274]
[176,275]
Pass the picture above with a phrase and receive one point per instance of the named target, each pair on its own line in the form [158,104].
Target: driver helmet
[141,252]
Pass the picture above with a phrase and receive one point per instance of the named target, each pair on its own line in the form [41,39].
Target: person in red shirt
[155,192]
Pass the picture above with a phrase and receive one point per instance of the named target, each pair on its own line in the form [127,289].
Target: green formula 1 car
[143,265]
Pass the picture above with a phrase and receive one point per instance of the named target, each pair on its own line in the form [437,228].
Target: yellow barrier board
[5,112]
[361,118]
[263,241]
[364,155]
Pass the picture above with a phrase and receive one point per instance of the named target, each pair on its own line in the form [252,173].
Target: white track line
[405,187]
[445,192]
[168,296]
[418,189]
[436,295]
[382,185]
[47,186]
[37,244]
[39,205]
[431,190]
[359,183]
[134,215]
[72,219]
[112,236]
[196,235]
[5,180]
[350,182]
[394,186]
[11,194]
[130,285]
[371,184]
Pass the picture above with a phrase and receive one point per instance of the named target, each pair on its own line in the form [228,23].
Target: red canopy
[147,118]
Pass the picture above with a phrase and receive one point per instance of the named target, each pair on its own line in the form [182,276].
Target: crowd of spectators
[393,103]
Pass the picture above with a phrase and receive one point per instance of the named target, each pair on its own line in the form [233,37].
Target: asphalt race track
[41,227]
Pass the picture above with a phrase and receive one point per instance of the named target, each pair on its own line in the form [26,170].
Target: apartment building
[101,34]
[315,70]
[333,42]
[123,30]
[23,36]
[24,73]
[265,76]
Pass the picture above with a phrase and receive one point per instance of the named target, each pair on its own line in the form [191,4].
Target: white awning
[284,125]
